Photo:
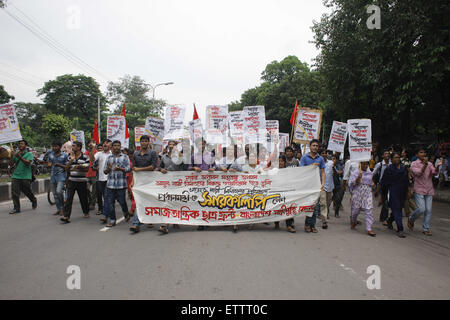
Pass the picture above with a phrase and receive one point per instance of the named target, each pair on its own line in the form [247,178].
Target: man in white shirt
[99,160]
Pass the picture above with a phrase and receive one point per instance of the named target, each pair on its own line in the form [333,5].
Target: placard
[360,139]
[115,129]
[255,125]
[307,125]
[9,124]
[78,135]
[174,122]
[338,136]
[154,128]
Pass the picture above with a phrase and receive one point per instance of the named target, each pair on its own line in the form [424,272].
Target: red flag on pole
[195,113]
[127,134]
[294,113]
[95,132]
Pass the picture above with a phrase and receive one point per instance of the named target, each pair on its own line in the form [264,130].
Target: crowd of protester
[403,182]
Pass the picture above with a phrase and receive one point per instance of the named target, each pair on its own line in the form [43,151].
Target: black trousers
[100,186]
[385,208]
[81,189]
[338,195]
[21,185]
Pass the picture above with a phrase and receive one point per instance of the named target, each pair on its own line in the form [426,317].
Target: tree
[74,96]
[4,96]
[133,92]
[282,84]
[398,76]
[57,126]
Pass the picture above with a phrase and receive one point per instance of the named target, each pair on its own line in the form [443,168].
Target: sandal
[163,229]
[314,230]
[410,225]
[308,229]
[65,220]
[427,232]
[110,225]
[371,233]
[134,229]
[290,229]
[86,215]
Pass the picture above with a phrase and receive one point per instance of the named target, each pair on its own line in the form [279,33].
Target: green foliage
[56,126]
[74,96]
[283,83]
[4,96]
[133,92]
[398,76]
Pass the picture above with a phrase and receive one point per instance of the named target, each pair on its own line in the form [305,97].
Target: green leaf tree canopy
[74,96]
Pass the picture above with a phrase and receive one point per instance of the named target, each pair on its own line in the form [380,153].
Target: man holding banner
[143,160]
[313,158]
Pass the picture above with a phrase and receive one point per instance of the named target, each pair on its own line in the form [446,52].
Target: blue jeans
[111,195]
[58,193]
[311,221]
[136,221]
[424,203]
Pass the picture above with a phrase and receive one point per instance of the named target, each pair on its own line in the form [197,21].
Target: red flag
[294,113]
[127,134]
[195,113]
[95,132]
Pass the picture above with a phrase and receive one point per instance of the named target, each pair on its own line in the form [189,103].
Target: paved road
[263,263]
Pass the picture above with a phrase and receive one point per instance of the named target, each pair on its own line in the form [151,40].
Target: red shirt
[91,173]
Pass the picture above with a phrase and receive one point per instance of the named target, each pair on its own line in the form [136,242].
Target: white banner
[115,129]
[220,198]
[360,139]
[174,123]
[9,125]
[255,124]
[154,128]
[78,135]
[338,136]
[307,125]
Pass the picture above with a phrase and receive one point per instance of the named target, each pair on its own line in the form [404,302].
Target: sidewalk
[39,186]
[442,195]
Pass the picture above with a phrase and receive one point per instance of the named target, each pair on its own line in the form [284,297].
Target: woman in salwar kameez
[395,178]
[361,184]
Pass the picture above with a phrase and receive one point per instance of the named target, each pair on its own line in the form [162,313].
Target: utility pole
[99,123]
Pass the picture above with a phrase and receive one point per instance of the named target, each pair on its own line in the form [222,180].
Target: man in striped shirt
[117,166]
[77,167]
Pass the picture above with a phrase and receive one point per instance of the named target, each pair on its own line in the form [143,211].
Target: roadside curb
[38,186]
[442,196]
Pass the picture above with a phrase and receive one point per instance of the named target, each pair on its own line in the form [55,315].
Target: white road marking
[117,222]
